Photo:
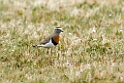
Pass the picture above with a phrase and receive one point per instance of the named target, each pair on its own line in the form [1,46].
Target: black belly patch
[54,42]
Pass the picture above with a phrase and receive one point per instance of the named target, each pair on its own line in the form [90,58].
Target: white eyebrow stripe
[59,28]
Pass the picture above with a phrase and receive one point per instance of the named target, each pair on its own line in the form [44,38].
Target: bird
[52,40]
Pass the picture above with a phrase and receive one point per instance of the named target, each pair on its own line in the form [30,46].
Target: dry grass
[94,56]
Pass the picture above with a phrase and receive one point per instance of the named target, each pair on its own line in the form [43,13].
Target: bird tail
[34,45]
[38,45]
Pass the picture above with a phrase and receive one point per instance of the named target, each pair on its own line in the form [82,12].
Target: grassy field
[91,49]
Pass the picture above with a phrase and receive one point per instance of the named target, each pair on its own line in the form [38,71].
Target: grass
[90,51]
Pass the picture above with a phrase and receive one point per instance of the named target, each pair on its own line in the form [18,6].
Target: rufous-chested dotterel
[51,40]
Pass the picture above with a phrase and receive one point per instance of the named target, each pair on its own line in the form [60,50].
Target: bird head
[58,30]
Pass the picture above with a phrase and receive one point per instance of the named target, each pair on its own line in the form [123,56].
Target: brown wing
[46,40]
